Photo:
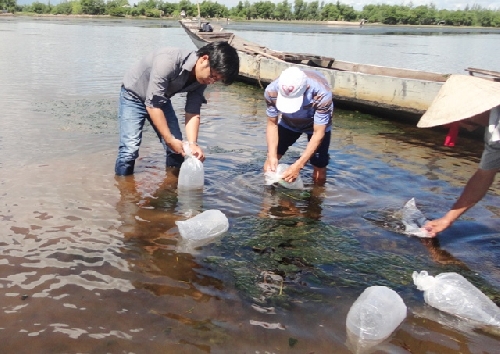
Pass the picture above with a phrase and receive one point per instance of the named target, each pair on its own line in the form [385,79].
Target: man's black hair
[222,58]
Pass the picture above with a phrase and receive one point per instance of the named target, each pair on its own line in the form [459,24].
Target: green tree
[76,8]
[299,9]
[8,5]
[371,13]
[330,12]
[40,8]
[212,9]
[238,10]
[264,9]
[250,11]
[63,8]
[93,7]
[283,11]
[312,11]
[426,15]
[170,9]
[347,12]
[117,8]
[186,5]
[443,16]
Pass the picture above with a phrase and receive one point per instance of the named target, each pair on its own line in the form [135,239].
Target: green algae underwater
[90,265]
[313,259]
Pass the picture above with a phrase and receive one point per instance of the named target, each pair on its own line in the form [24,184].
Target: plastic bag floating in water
[413,220]
[275,177]
[452,293]
[191,174]
[201,229]
[376,313]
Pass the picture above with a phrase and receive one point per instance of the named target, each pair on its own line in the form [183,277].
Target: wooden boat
[402,93]
[484,74]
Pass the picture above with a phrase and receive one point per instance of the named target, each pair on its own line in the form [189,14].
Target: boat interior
[219,34]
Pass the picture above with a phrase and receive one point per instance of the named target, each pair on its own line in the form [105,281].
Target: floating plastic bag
[275,177]
[376,313]
[452,293]
[202,229]
[414,220]
[191,174]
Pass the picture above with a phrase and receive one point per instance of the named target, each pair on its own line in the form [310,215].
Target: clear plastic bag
[452,293]
[190,201]
[201,229]
[414,220]
[275,177]
[376,313]
[191,174]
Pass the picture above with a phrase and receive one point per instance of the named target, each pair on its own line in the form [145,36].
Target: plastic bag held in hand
[414,220]
[275,177]
[191,174]
[376,313]
[452,293]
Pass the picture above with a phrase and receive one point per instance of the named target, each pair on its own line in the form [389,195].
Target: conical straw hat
[461,97]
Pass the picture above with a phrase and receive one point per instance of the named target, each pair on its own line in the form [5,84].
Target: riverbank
[239,20]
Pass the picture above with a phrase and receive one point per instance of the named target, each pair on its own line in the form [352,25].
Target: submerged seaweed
[283,260]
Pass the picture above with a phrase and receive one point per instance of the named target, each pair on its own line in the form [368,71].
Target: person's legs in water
[320,159]
[172,159]
[319,175]
[286,138]
[131,116]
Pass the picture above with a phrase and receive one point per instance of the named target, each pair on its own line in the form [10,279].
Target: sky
[356,4]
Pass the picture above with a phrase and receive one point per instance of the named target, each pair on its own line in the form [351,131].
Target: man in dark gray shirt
[146,91]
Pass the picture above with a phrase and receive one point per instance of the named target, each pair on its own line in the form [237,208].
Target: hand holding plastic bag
[414,220]
[275,177]
[452,293]
[191,174]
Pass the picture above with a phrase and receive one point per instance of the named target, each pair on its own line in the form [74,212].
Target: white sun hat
[461,97]
[292,84]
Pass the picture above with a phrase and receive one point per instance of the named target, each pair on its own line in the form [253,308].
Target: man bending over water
[304,99]
[146,91]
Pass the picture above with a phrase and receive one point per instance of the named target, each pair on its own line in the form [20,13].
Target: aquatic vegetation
[96,116]
[313,259]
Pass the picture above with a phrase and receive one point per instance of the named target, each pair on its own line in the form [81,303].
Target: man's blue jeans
[132,115]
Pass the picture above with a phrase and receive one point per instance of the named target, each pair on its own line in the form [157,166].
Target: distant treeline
[267,10]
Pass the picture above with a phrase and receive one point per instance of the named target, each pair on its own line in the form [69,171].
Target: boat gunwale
[311,60]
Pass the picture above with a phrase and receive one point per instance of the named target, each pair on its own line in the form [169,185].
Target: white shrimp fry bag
[275,177]
[208,224]
[376,313]
[452,293]
[191,174]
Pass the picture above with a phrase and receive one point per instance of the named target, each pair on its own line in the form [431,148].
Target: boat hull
[364,91]
[395,92]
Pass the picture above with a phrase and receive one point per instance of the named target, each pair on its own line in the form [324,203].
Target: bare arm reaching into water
[474,191]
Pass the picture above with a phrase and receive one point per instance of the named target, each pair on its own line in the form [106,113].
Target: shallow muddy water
[92,263]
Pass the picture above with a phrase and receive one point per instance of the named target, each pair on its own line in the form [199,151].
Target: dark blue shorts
[287,138]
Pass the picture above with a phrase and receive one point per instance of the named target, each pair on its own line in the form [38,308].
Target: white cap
[292,84]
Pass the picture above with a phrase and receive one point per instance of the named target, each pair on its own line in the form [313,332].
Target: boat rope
[259,57]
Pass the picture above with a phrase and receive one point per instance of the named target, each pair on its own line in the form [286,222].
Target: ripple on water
[86,255]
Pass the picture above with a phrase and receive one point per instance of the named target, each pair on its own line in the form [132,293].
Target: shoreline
[323,23]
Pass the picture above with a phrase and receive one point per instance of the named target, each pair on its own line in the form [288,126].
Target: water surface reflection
[90,262]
